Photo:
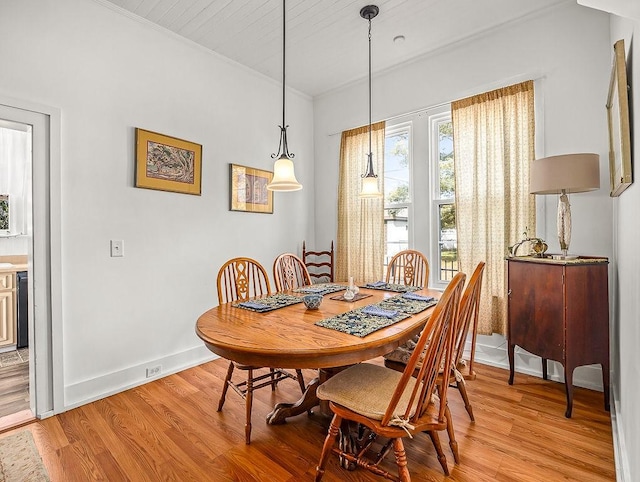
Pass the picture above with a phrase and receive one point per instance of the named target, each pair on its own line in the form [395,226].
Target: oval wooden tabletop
[288,338]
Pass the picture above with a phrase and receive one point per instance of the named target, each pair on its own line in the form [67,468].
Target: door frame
[45,278]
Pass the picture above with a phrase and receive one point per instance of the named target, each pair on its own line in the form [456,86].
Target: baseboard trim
[88,391]
[492,350]
[623,472]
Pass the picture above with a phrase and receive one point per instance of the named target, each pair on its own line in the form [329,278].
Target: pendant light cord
[283,148]
[284,43]
[370,150]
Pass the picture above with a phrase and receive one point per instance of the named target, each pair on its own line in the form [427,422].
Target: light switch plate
[117,248]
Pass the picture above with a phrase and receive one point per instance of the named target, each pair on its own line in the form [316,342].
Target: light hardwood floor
[14,389]
[169,430]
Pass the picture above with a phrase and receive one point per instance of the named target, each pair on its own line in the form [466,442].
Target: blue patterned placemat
[359,323]
[321,288]
[407,303]
[269,303]
[381,285]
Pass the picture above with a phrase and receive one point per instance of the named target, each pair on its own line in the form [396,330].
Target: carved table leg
[282,411]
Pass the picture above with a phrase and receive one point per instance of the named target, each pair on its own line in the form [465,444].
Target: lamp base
[564,222]
[567,257]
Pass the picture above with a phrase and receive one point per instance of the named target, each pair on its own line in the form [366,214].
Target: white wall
[567,51]
[108,74]
[626,299]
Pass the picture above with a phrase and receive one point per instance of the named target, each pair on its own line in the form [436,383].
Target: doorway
[15,223]
[26,246]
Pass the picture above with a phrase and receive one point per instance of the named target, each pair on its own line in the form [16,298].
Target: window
[397,189]
[15,165]
[419,191]
[444,235]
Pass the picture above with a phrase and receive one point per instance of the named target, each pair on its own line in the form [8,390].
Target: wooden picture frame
[248,189]
[618,119]
[167,163]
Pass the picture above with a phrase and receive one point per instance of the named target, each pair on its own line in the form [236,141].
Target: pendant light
[369,178]
[284,177]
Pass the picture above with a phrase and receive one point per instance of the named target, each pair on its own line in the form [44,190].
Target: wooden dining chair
[319,264]
[467,319]
[408,267]
[289,272]
[461,369]
[397,405]
[238,280]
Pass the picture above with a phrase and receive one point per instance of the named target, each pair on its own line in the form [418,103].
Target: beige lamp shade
[563,175]
[568,173]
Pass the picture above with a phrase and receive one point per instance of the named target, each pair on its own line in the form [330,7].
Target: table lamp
[564,174]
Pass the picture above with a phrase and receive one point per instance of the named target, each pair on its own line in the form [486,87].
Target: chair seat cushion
[366,389]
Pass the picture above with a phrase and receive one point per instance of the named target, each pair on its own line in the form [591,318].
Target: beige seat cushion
[366,389]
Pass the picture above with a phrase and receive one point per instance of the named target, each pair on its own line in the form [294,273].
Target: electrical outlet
[154,371]
[117,248]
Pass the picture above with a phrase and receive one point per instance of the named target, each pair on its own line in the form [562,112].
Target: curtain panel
[360,249]
[494,145]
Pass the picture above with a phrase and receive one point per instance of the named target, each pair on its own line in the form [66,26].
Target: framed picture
[167,164]
[248,189]
[618,118]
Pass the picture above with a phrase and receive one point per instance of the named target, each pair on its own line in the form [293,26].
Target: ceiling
[326,42]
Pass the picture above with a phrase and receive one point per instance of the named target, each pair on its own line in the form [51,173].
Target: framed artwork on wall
[618,119]
[248,189]
[167,164]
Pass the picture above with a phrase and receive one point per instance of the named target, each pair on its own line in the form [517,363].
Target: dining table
[290,338]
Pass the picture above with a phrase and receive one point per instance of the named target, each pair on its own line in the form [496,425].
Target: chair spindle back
[469,306]
[408,267]
[289,272]
[433,347]
[240,279]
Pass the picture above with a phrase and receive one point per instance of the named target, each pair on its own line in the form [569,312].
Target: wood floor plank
[14,389]
[169,429]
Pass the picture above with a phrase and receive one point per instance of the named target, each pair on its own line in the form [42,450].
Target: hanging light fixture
[369,178]
[284,177]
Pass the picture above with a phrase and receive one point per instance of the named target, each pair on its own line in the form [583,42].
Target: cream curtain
[493,146]
[360,250]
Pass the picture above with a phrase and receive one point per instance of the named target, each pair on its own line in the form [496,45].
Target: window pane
[397,195]
[4,212]
[445,162]
[396,231]
[448,241]
[396,167]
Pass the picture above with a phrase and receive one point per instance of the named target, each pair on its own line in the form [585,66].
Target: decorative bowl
[312,301]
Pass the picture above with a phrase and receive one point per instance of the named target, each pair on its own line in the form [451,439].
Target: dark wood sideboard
[559,310]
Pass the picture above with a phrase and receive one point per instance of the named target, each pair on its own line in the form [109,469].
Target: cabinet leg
[511,350]
[545,368]
[568,384]
[605,384]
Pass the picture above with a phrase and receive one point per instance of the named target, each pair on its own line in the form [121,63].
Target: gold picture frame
[248,189]
[618,119]
[166,163]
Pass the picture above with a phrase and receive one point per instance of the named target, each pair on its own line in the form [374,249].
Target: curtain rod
[513,80]
[399,116]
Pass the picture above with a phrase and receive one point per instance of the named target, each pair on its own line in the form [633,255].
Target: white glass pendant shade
[370,188]
[284,177]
